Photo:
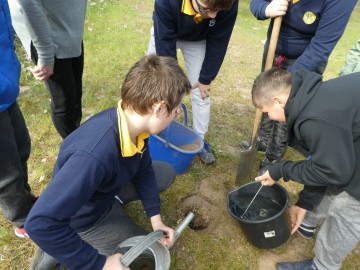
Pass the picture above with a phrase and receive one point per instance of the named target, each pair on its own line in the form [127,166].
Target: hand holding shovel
[248,156]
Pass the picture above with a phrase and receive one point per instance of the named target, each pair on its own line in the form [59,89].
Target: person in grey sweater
[52,32]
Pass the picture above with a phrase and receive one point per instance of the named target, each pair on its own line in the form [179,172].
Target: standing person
[16,199]
[78,220]
[56,31]
[308,34]
[352,63]
[201,29]
[323,120]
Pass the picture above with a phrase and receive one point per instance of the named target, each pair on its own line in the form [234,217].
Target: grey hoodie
[55,27]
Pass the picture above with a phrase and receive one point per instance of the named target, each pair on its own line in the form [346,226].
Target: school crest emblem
[309,17]
[212,22]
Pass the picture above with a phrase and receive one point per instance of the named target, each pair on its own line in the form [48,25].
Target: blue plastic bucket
[168,144]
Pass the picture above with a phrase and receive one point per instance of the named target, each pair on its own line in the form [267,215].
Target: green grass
[116,36]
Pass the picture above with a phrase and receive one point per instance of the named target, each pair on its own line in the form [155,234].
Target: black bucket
[266,223]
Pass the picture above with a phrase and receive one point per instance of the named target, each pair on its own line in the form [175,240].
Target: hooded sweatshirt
[323,121]
[9,63]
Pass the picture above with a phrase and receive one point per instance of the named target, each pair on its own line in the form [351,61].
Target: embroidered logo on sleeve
[309,17]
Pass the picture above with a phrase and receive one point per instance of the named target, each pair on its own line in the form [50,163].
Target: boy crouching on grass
[323,120]
[78,221]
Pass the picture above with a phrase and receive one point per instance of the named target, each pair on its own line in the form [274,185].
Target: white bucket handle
[185,123]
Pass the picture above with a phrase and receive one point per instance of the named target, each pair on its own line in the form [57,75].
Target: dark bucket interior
[145,261]
[266,223]
[269,202]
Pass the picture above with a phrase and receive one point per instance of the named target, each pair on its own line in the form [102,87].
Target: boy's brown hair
[153,79]
[218,4]
[268,84]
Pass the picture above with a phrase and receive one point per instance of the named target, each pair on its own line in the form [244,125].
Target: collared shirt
[188,9]
[128,148]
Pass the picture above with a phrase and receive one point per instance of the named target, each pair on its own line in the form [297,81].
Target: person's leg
[105,235]
[78,68]
[339,234]
[64,91]
[112,229]
[277,142]
[15,197]
[151,47]
[165,175]
[194,54]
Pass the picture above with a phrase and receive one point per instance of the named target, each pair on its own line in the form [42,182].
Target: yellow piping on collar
[187,8]
[128,148]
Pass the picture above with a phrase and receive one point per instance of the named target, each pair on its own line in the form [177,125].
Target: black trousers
[15,193]
[65,88]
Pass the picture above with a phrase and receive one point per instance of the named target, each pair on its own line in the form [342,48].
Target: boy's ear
[158,107]
[280,101]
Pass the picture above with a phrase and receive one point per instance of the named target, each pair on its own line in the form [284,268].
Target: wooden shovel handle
[268,64]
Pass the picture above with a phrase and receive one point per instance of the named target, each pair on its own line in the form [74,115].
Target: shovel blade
[246,165]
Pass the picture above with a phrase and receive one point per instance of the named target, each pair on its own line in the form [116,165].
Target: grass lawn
[116,36]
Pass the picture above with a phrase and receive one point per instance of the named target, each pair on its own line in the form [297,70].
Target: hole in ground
[203,210]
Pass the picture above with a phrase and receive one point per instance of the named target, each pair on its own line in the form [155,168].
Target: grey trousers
[15,197]
[340,232]
[115,226]
[194,55]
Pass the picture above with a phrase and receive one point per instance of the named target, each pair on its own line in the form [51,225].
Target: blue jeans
[15,196]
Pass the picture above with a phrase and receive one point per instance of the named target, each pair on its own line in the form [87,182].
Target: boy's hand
[265,179]
[157,224]
[113,263]
[276,8]
[296,215]
[204,89]
[42,73]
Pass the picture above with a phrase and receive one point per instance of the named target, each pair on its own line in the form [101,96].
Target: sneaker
[307,232]
[304,265]
[260,145]
[264,166]
[20,232]
[205,154]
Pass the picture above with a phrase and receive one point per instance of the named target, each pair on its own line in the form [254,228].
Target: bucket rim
[201,145]
[285,207]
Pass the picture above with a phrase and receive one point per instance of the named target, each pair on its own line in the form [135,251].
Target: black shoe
[260,145]
[304,265]
[307,232]
[264,166]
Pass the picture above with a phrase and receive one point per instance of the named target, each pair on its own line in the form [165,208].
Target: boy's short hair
[154,79]
[218,4]
[268,84]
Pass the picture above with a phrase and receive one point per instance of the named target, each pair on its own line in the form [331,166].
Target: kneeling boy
[78,220]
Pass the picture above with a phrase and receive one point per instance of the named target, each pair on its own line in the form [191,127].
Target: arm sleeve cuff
[275,172]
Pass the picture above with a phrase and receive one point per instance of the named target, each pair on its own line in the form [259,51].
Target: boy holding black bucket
[323,120]
[78,220]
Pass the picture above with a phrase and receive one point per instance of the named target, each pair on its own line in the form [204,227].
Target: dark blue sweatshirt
[89,172]
[310,29]
[9,63]
[170,25]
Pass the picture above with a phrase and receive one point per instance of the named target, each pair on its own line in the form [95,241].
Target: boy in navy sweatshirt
[309,32]
[78,220]
[323,120]
[201,29]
